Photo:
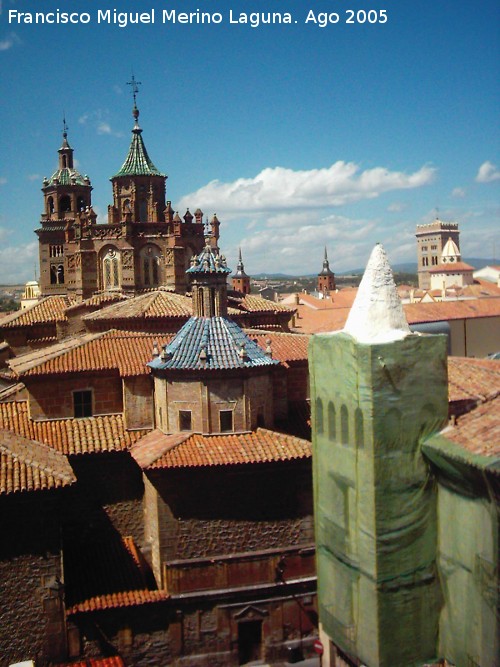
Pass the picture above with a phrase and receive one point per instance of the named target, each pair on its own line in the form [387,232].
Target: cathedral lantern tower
[67,199]
[138,187]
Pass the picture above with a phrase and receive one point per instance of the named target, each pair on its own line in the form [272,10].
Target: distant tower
[241,282]
[326,278]
[431,240]
[451,271]
[66,195]
[376,391]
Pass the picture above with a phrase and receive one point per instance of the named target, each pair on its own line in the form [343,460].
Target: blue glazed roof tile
[211,343]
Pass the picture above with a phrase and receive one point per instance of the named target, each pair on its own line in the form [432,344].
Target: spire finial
[135,89]
[65,127]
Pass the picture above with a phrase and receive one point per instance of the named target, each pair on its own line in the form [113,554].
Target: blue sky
[297,136]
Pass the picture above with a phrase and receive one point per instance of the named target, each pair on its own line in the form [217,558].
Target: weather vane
[65,127]
[135,88]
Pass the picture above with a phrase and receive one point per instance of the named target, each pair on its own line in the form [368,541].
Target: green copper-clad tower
[377,391]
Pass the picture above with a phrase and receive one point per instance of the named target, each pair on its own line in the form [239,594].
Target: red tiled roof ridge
[25,362]
[130,598]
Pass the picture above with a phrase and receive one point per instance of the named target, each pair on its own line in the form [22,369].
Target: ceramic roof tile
[26,465]
[208,261]
[158,450]
[156,304]
[114,661]
[453,267]
[473,379]
[478,431]
[256,304]
[211,343]
[106,573]
[285,347]
[88,435]
[138,162]
[48,309]
[128,352]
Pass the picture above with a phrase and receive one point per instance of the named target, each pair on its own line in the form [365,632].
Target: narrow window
[358,425]
[184,420]
[226,420]
[344,425]
[319,416]
[332,427]
[82,403]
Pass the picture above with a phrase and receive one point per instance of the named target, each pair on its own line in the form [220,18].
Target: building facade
[431,240]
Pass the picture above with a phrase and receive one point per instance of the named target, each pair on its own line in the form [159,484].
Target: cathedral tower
[241,282]
[67,198]
[326,278]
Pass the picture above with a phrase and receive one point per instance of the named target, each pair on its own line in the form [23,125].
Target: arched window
[344,425]
[150,266]
[319,416]
[64,204]
[143,210]
[332,427]
[111,270]
[50,205]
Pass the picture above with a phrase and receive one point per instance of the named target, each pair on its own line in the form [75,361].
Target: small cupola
[208,277]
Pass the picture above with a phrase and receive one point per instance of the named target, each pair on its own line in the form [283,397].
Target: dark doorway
[249,641]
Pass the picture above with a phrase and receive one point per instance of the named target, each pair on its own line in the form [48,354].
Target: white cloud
[3,180]
[34,177]
[396,207]
[99,120]
[458,193]
[17,264]
[488,172]
[83,118]
[279,188]
[9,41]
[104,128]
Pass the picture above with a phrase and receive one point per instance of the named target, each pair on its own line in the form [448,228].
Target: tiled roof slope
[88,435]
[472,379]
[138,162]
[159,303]
[106,573]
[96,300]
[256,304]
[478,431]
[452,310]
[26,465]
[115,661]
[285,347]
[209,343]
[128,352]
[48,309]
[157,450]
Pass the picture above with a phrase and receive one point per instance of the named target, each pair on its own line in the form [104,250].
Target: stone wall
[58,402]
[31,593]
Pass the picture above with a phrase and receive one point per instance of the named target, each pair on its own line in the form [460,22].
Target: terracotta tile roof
[128,352]
[451,268]
[316,320]
[49,309]
[211,343]
[88,435]
[472,379]
[157,450]
[105,573]
[26,465]
[151,305]
[115,661]
[115,600]
[478,431]
[285,347]
[452,310]
[96,300]
[256,304]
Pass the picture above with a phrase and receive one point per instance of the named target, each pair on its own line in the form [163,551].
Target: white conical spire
[377,314]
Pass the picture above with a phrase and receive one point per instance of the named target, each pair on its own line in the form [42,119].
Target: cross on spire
[135,89]
[65,127]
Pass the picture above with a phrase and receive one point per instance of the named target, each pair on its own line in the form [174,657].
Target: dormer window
[185,420]
[226,421]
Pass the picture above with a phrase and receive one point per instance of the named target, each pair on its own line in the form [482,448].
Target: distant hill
[404,267]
